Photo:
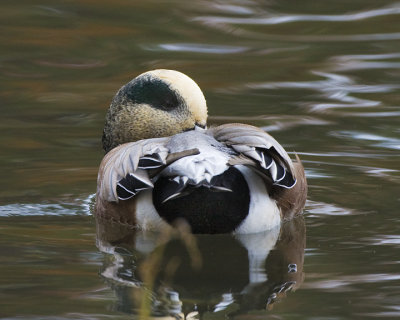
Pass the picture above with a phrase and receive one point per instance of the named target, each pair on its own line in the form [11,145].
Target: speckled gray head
[157,103]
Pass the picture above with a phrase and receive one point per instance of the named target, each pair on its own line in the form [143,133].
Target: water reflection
[57,207]
[250,19]
[334,87]
[365,61]
[265,17]
[378,141]
[310,64]
[192,275]
[320,208]
[196,48]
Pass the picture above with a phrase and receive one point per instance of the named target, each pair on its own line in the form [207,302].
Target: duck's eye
[152,91]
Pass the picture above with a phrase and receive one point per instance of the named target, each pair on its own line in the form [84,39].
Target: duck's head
[157,103]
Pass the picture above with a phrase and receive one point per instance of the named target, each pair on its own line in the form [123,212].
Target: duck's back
[206,182]
[202,189]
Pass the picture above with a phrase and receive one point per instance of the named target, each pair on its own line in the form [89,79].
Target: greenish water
[322,77]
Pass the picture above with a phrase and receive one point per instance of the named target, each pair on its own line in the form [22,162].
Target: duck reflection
[182,275]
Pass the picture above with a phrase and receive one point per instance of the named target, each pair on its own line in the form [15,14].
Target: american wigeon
[163,165]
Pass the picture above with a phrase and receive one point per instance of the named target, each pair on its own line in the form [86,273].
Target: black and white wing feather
[258,146]
[123,171]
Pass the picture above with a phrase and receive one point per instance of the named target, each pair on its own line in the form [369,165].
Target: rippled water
[322,77]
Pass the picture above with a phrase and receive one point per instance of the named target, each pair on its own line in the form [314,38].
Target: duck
[164,166]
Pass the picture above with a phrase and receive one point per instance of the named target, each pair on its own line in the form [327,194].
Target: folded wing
[124,170]
[258,149]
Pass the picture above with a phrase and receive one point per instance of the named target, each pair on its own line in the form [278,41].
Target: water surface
[322,77]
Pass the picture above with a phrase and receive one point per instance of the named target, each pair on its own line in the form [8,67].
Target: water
[322,77]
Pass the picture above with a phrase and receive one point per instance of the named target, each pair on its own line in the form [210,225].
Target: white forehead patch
[187,88]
